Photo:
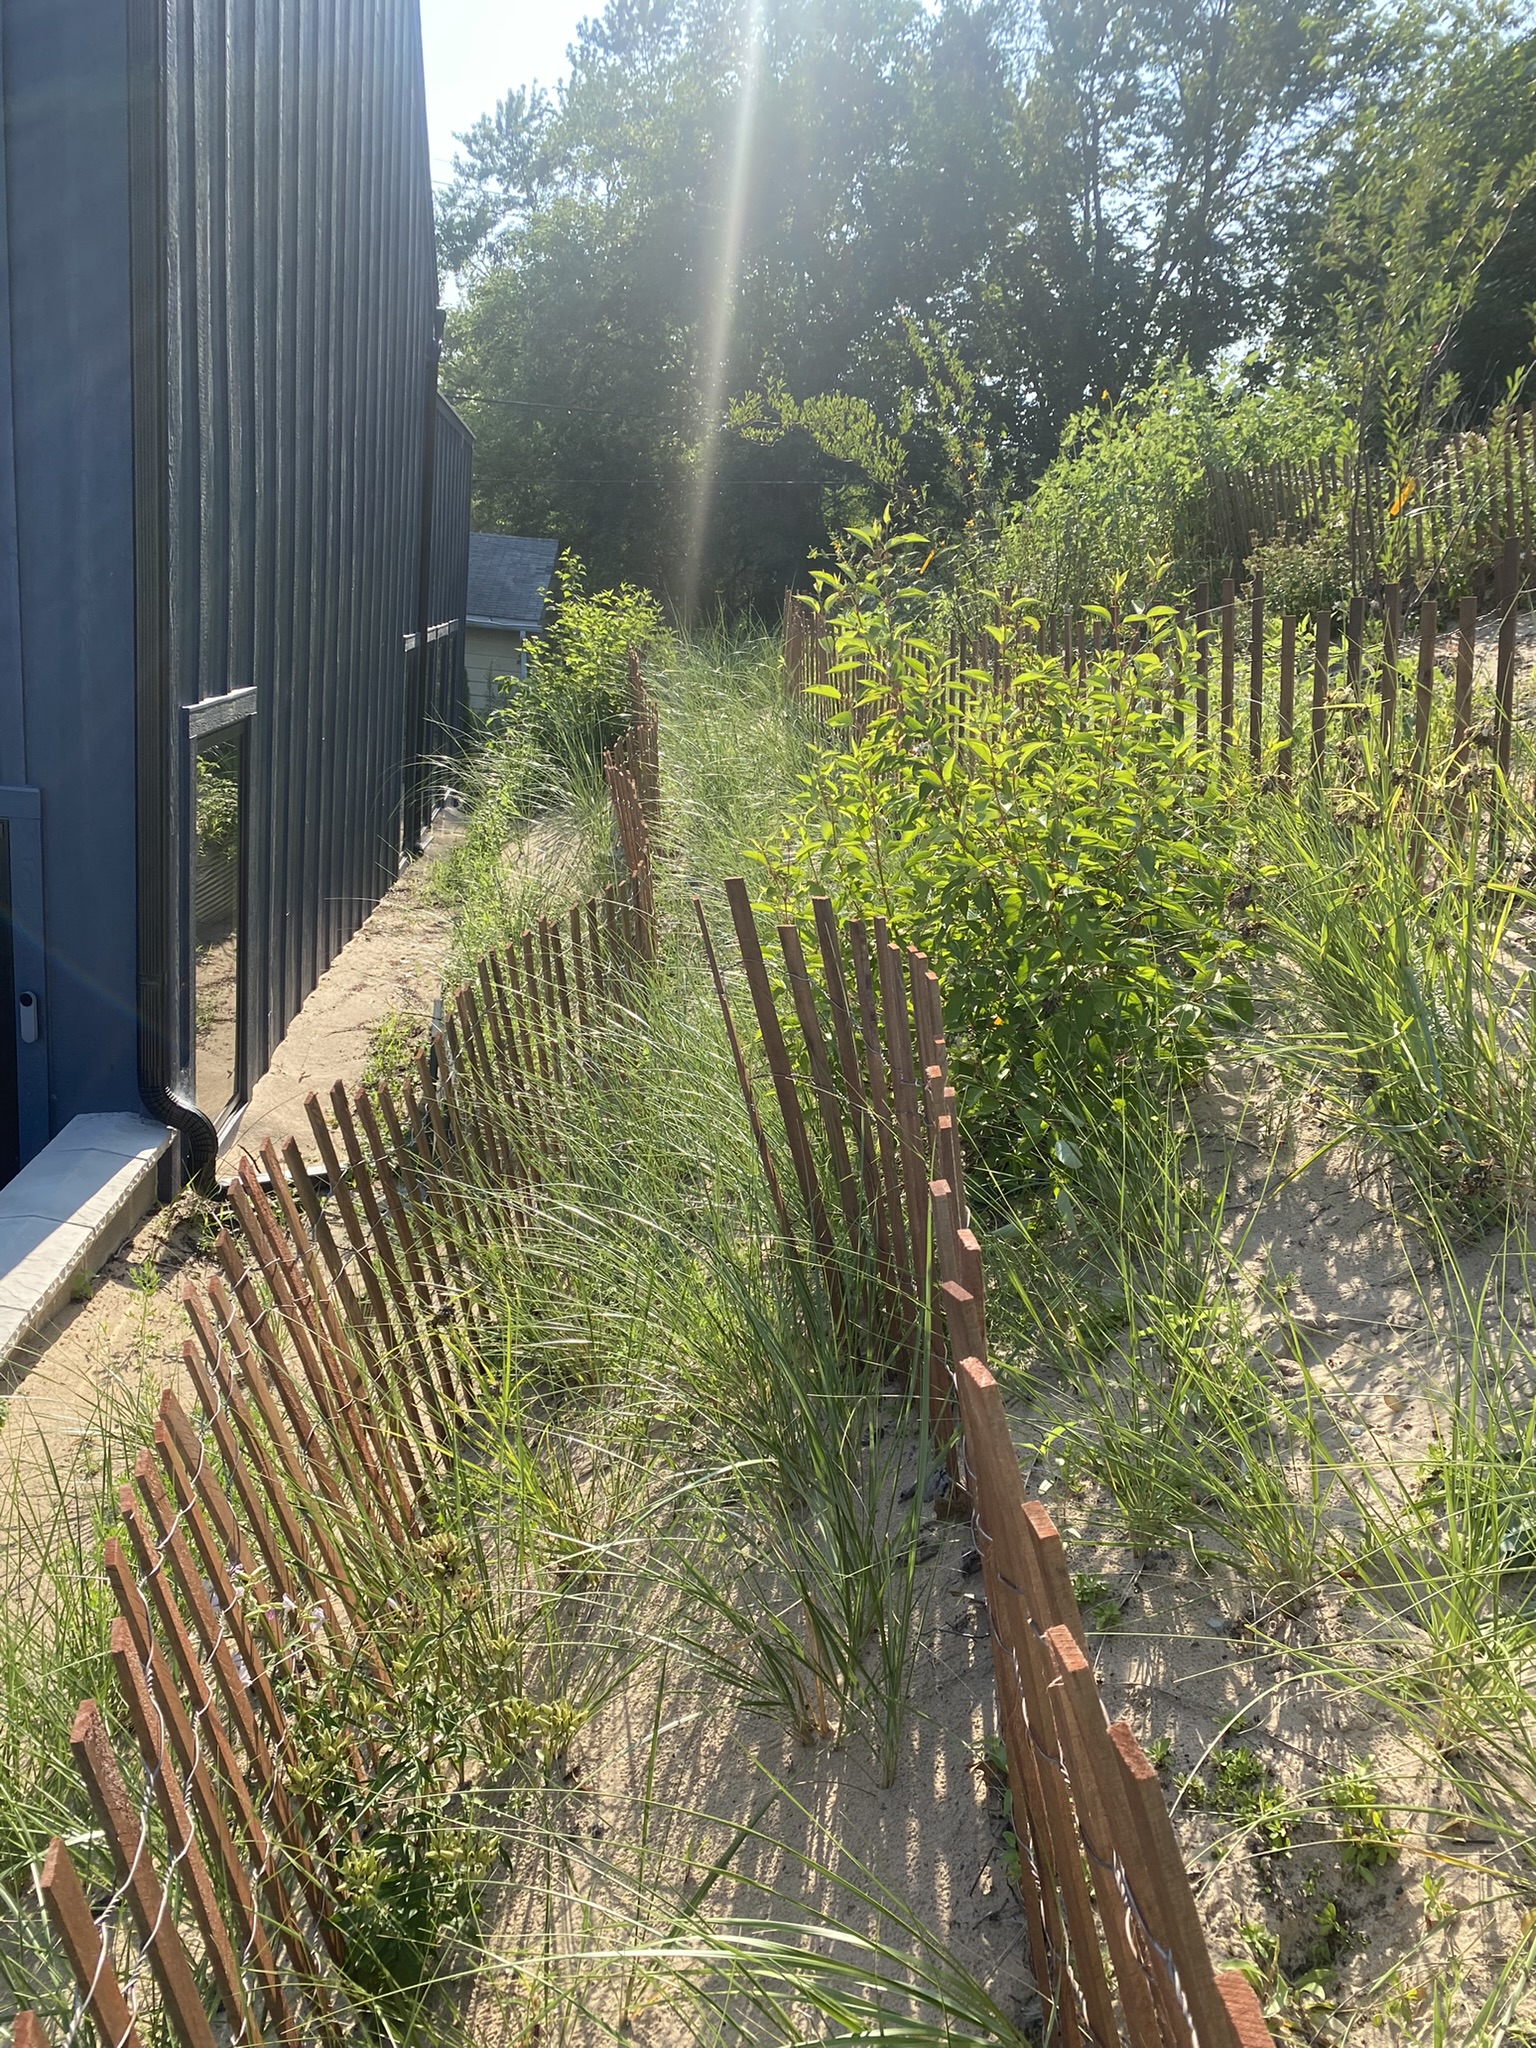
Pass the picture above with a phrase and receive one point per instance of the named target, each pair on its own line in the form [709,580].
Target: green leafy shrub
[1122,509]
[218,807]
[393,1044]
[1302,576]
[574,700]
[410,1851]
[1243,1788]
[1061,861]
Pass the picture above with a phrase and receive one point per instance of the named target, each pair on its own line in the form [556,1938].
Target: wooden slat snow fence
[1456,503]
[876,1190]
[1362,673]
[331,1360]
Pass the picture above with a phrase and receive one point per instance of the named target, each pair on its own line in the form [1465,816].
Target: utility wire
[605,412]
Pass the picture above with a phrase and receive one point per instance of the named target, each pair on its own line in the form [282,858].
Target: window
[218,730]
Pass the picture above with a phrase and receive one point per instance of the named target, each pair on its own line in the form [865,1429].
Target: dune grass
[686,1488]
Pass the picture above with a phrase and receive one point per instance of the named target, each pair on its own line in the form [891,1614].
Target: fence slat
[1322,633]
[1256,674]
[83,1942]
[120,1825]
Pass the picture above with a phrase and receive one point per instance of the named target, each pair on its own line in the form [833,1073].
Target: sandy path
[108,1354]
[393,962]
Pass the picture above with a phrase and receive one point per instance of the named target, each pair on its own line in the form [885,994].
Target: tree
[588,236]
[1410,263]
[852,226]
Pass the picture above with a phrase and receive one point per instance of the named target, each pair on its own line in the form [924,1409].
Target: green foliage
[1121,511]
[1242,1786]
[938,434]
[575,698]
[1432,169]
[393,1044]
[411,1852]
[1421,1031]
[1368,1841]
[1061,861]
[218,806]
[1067,199]
[1098,1601]
[1303,576]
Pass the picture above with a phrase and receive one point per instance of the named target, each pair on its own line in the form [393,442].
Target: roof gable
[508,576]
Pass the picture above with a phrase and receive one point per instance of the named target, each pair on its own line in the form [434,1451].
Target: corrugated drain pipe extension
[199,1139]
[158,734]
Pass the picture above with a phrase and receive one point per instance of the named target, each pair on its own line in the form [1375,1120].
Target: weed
[1368,1842]
[144,1278]
[1243,1787]
[393,1044]
[1057,854]
[575,699]
[1098,1601]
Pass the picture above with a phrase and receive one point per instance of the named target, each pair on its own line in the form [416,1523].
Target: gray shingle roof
[508,576]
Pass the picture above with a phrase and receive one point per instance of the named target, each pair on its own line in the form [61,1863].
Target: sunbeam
[722,312]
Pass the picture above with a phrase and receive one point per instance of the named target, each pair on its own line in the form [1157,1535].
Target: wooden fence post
[1320,650]
[1391,626]
[1286,722]
[1256,674]
[1504,685]
[1202,663]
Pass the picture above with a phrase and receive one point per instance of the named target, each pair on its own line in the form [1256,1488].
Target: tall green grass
[1396,947]
[55,1619]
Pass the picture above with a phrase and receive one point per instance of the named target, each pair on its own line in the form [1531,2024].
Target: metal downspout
[418,800]
[157,699]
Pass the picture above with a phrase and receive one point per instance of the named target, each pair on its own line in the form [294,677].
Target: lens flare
[715,356]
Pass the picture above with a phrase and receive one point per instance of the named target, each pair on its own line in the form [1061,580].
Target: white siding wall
[489,652]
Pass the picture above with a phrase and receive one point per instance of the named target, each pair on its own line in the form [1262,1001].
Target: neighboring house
[509,577]
[234,519]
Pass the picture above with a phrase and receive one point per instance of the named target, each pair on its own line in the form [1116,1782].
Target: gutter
[161,828]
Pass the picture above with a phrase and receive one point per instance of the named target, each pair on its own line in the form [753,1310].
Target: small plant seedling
[1096,1599]
[1404,2001]
[1263,1947]
[1367,1840]
[393,1043]
[1438,1903]
[1241,1786]
[1331,1936]
[992,1764]
[82,1287]
[1160,1752]
[992,1760]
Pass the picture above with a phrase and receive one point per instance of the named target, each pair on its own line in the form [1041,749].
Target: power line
[744,483]
[605,412]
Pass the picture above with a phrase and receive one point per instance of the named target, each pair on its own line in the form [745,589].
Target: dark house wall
[217,406]
[448,580]
[66,583]
[297,292]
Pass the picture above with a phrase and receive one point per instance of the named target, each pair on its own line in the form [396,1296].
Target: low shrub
[574,700]
[1123,508]
[1057,854]
[1304,575]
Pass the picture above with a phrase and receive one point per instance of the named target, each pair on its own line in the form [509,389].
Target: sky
[478,50]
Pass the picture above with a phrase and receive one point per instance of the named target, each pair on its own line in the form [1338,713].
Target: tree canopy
[757,257]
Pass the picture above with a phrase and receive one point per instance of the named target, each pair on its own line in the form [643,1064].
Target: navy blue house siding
[217,410]
[67,669]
